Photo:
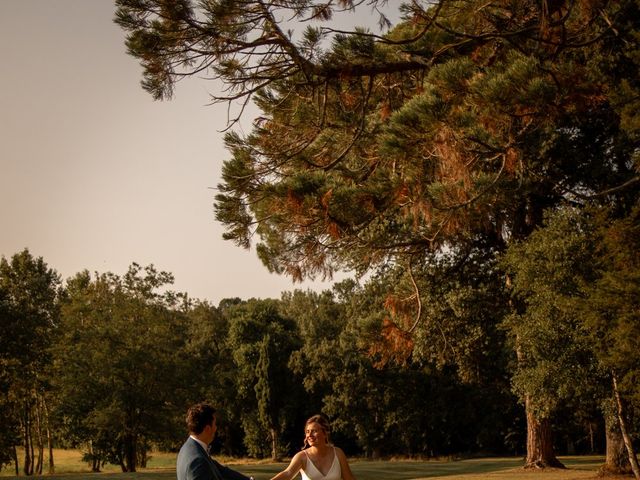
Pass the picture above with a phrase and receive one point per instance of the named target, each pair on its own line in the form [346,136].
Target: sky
[95,174]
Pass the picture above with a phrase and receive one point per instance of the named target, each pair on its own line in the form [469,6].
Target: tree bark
[623,429]
[274,444]
[95,463]
[33,455]
[26,429]
[131,453]
[15,460]
[376,453]
[540,453]
[616,460]
[52,468]
[38,432]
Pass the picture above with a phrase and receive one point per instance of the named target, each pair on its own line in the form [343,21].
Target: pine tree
[462,124]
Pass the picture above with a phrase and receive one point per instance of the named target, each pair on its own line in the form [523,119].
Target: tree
[262,340]
[556,363]
[118,373]
[578,279]
[611,312]
[211,374]
[467,120]
[455,332]
[339,377]
[29,295]
[351,374]
[8,421]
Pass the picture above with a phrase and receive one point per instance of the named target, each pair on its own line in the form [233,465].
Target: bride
[318,460]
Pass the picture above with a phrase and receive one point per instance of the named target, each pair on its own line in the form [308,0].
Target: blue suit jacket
[195,464]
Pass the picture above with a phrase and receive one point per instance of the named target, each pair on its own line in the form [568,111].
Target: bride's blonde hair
[324,424]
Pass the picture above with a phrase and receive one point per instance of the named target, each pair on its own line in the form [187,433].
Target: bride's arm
[347,474]
[292,470]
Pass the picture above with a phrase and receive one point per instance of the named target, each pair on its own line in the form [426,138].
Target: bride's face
[314,435]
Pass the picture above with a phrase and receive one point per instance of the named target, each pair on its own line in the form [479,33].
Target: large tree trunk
[616,460]
[131,452]
[540,453]
[623,429]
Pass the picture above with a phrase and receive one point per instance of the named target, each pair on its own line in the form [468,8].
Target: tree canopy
[467,118]
[116,380]
[29,316]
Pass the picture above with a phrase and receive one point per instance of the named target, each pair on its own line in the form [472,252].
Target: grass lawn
[162,466]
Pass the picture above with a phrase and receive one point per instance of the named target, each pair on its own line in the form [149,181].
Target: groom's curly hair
[199,416]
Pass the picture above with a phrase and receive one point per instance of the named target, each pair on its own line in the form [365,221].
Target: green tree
[29,295]
[458,346]
[117,374]
[262,340]
[556,363]
[578,279]
[211,375]
[363,383]
[611,313]
[454,335]
[8,421]
[336,371]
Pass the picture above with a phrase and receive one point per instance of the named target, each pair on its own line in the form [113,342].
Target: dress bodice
[311,472]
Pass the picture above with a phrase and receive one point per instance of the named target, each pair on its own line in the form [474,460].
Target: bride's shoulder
[301,456]
[339,452]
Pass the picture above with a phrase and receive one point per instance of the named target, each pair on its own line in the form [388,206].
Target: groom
[194,461]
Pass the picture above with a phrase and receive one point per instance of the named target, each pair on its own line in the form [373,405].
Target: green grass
[162,467]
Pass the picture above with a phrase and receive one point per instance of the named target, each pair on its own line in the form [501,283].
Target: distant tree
[119,375]
[454,332]
[9,426]
[458,356]
[29,295]
[336,371]
[262,340]
[210,374]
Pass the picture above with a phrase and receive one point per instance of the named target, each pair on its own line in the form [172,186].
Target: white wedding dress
[310,472]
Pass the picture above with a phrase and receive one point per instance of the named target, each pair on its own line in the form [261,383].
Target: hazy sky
[95,174]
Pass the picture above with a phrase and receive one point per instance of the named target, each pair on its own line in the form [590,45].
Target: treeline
[109,363]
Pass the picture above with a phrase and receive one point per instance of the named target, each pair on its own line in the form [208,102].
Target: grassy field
[162,467]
